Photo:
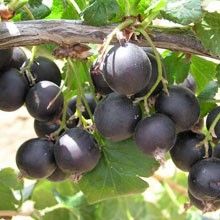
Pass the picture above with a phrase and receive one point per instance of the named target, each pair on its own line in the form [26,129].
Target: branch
[69,32]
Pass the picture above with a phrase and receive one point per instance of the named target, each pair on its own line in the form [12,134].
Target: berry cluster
[203,167]
[127,75]
[75,151]
[173,123]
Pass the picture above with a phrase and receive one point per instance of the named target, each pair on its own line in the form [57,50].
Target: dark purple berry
[180,105]
[116,117]
[40,101]
[155,134]
[35,158]
[127,69]
[76,151]
[13,90]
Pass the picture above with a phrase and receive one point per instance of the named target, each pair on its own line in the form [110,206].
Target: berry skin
[18,58]
[45,69]
[127,69]
[101,86]
[58,175]
[211,117]
[44,129]
[116,117]
[76,151]
[155,134]
[216,151]
[5,60]
[153,77]
[38,99]
[204,178]
[13,90]
[180,105]
[205,206]
[35,158]
[90,100]
[186,152]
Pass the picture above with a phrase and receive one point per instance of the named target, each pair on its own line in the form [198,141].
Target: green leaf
[132,7]
[143,5]
[46,194]
[206,98]
[178,72]
[206,107]
[118,172]
[183,11]
[7,201]
[203,72]
[129,207]
[9,178]
[42,195]
[154,8]
[100,12]
[61,213]
[79,205]
[63,9]
[208,31]
[37,8]
[209,92]
[65,188]
[81,70]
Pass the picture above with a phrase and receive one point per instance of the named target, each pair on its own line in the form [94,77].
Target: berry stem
[28,11]
[212,127]
[91,86]
[67,82]
[16,4]
[26,68]
[80,93]
[208,137]
[159,65]
[81,90]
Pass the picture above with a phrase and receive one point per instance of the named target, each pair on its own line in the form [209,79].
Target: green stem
[68,90]
[65,105]
[81,90]
[16,4]
[61,89]
[52,208]
[159,65]
[78,112]
[81,95]
[214,123]
[127,8]
[147,21]
[28,11]
[76,6]
[26,69]
[91,85]
[208,137]
[63,122]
